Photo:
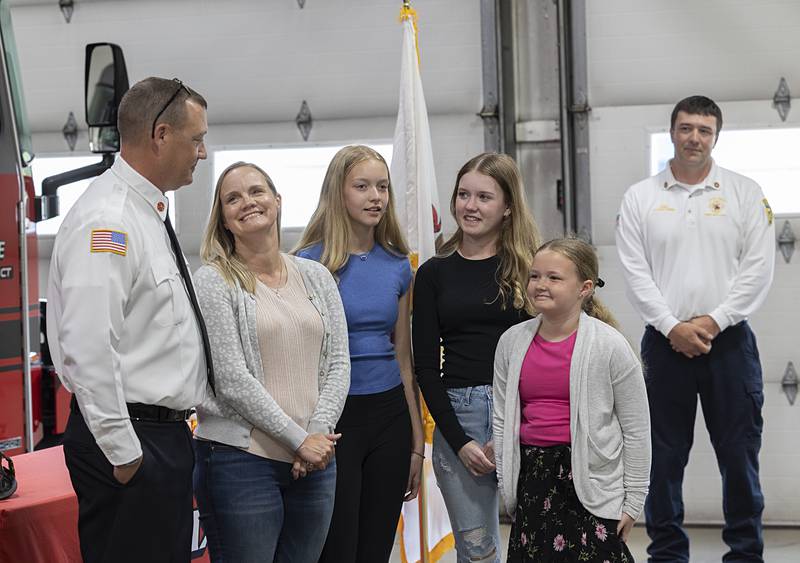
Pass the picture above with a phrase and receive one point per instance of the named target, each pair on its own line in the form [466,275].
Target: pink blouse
[544,392]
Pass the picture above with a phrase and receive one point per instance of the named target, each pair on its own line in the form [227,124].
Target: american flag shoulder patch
[106,240]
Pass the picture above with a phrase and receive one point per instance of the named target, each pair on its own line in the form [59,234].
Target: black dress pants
[147,519]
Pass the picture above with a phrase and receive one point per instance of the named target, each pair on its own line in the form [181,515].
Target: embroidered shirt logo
[664,207]
[716,207]
[768,209]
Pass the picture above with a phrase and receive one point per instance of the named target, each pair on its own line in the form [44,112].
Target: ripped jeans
[472,502]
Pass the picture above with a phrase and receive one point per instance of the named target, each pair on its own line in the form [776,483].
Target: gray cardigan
[241,401]
[609,418]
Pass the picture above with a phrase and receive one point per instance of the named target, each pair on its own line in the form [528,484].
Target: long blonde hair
[219,246]
[581,253]
[330,223]
[519,236]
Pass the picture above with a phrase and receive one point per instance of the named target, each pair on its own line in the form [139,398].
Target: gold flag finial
[409,13]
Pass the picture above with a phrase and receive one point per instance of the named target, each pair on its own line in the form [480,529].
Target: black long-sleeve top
[456,306]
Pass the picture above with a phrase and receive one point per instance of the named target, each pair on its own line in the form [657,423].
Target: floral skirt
[551,524]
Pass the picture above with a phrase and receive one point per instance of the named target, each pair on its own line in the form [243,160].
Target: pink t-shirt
[544,392]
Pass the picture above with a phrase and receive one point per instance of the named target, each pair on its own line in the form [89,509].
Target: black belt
[147,413]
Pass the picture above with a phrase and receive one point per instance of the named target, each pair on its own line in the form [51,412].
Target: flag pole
[417,215]
[422,505]
[423,518]
[422,498]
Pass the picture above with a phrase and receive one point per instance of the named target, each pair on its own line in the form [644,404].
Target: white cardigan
[609,418]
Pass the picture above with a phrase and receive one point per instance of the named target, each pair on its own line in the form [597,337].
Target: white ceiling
[253,60]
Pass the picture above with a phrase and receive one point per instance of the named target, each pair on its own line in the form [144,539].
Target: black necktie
[187,281]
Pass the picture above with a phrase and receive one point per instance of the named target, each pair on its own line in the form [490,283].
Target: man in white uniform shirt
[126,335]
[697,245]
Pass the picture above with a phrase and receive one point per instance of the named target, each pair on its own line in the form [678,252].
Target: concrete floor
[782,545]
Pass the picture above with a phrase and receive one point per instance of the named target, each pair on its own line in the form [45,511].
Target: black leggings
[372,462]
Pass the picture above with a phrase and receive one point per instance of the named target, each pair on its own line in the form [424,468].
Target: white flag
[412,171]
[417,202]
[439,537]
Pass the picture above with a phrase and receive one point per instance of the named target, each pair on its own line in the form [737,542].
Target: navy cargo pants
[729,383]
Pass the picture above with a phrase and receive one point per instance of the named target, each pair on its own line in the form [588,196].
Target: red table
[39,522]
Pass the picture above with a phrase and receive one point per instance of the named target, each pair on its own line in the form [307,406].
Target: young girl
[464,300]
[571,423]
[355,235]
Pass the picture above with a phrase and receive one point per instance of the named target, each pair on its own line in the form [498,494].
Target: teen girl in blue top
[354,233]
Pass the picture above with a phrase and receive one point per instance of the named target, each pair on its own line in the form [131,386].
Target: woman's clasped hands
[316,452]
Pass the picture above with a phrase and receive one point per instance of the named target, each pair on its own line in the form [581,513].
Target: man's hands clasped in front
[693,338]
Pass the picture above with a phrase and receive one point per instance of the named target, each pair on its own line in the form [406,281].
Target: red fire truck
[33,404]
[20,368]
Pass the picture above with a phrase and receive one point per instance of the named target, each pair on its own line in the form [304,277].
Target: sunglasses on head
[171,99]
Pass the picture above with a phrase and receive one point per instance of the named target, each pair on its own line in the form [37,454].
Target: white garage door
[621,151]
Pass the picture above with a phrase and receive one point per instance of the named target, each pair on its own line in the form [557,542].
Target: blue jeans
[472,502]
[728,382]
[253,511]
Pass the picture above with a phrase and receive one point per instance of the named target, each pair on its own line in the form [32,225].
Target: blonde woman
[571,423]
[355,235]
[464,300]
[265,470]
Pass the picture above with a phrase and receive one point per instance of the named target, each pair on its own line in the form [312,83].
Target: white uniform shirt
[696,250]
[119,321]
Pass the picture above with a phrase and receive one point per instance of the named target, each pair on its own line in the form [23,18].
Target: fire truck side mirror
[106,83]
[45,207]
